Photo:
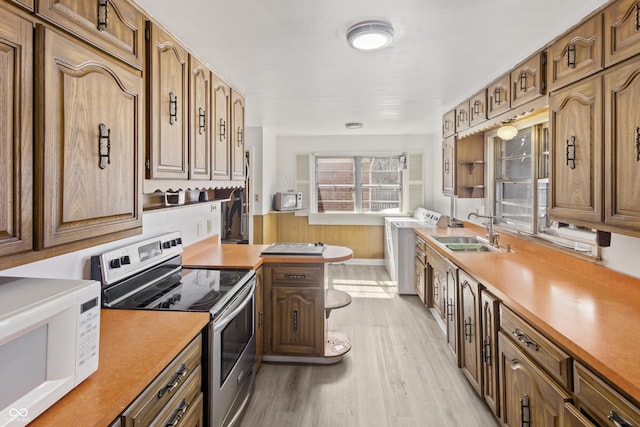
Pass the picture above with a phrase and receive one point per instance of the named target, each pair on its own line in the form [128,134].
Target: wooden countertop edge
[130,359]
[578,352]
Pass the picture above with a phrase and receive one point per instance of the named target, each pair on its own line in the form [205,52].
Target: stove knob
[166,245]
[173,242]
[114,263]
[164,304]
[179,240]
[124,260]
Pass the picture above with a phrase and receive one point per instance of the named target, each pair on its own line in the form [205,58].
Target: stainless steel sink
[465,244]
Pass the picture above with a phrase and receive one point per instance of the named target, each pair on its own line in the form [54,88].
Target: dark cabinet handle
[638,144]
[174,380]
[524,338]
[295,320]
[178,413]
[617,420]
[446,166]
[571,152]
[467,329]
[497,96]
[104,145]
[571,56]
[435,289]
[450,310]
[476,107]
[260,319]
[446,124]
[295,276]
[239,136]
[223,129]
[486,350]
[461,117]
[523,81]
[638,17]
[525,412]
[202,121]
[103,15]
[173,108]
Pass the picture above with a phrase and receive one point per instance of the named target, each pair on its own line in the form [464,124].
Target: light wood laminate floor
[398,373]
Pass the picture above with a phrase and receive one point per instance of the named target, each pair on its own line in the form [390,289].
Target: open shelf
[335,299]
[336,344]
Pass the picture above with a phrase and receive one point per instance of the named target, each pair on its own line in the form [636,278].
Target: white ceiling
[291,60]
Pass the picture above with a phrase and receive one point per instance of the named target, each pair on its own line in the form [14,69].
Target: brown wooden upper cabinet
[528,80]
[499,96]
[462,116]
[113,25]
[449,166]
[622,147]
[16,127]
[575,181]
[621,31]
[478,108]
[200,118]
[237,136]
[222,128]
[449,123]
[167,106]
[88,142]
[576,55]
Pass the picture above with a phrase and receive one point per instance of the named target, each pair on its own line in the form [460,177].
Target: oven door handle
[228,318]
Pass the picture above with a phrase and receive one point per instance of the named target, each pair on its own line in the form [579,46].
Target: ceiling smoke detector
[370,35]
[353,125]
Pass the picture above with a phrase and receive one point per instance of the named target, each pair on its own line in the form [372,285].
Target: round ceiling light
[353,125]
[370,35]
[507,131]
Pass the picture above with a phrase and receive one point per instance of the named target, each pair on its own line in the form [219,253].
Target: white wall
[262,141]
[195,222]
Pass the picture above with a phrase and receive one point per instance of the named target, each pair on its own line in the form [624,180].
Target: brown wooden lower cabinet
[489,350]
[259,320]
[469,330]
[530,397]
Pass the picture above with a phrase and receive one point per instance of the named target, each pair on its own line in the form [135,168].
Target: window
[360,184]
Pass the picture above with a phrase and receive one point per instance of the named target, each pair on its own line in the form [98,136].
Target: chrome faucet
[491,236]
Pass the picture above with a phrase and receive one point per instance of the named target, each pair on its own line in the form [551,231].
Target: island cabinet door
[88,142]
[297,321]
[16,162]
[529,396]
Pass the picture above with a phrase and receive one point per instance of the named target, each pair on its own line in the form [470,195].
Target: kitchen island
[587,310]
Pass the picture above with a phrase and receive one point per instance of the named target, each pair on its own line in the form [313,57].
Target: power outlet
[209,226]
[256,197]
[199,229]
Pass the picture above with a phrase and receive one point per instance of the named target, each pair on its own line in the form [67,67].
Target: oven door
[233,358]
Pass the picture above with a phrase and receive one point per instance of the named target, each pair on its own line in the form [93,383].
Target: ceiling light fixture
[370,35]
[353,125]
[507,131]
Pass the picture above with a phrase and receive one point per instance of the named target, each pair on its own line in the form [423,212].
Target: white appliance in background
[49,341]
[400,245]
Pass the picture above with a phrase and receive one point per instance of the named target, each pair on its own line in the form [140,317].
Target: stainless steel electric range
[148,275]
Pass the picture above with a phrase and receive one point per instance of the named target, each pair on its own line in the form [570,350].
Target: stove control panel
[120,263]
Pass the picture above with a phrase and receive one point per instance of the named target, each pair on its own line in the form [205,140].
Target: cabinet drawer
[528,80]
[576,55]
[421,250]
[573,417]
[449,124]
[621,31]
[166,385]
[556,362]
[602,402]
[182,403]
[499,96]
[115,26]
[292,274]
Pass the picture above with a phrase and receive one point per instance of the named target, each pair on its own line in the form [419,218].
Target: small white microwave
[287,201]
[49,342]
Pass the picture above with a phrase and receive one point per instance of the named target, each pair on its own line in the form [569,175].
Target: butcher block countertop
[135,346]
[210,253]
[591,311]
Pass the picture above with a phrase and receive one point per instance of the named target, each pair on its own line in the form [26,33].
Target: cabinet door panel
[528,80]
[200,120]
[499,96]
[576,153]
[116,27]
[29,4]
[449,124]
[449,166]
[621,35]
[16,152]
[470,330]
[489,351]
[222,127]
[622,147]
[478,108]
[529,396]
[297,315]
[237,136]
[167,107]
[452,312]
[88,185]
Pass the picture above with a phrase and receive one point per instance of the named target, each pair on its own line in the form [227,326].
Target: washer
[400,245]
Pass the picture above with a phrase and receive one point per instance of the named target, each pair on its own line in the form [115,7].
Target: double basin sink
[465,243]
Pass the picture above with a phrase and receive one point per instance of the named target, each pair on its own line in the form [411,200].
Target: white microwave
[49,342]
[287,201]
